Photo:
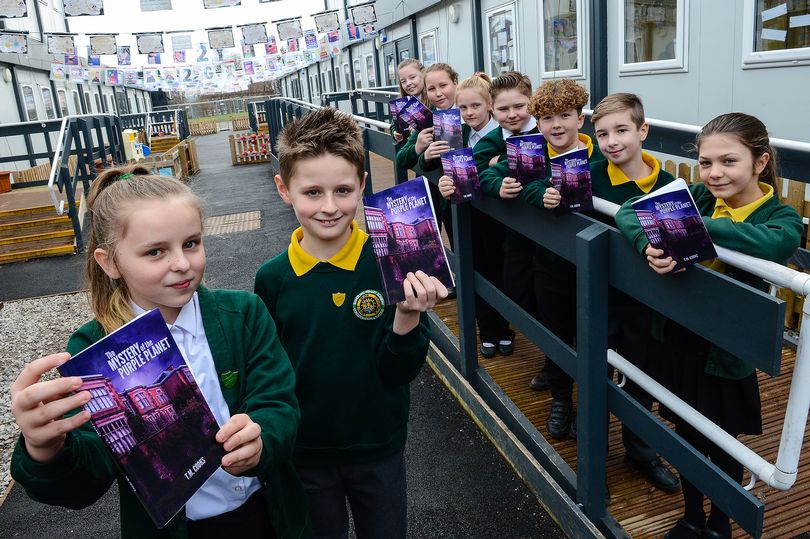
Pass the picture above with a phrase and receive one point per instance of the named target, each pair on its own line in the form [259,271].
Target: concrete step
[22,240]
[35,226]
[27,254]
[29,213]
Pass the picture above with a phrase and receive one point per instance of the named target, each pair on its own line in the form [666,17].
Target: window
[653,35]
[88,103]
[110,104]
[371,76]
[347,76]
[358,75]
[77,103]
[61,96]
[324,87]
[562,33]
[776,33]
[501,49]
[98,103]
[29,103]
[336,72]
[47,101]
[427,47]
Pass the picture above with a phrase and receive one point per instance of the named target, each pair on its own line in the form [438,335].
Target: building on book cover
[417,115]
[460,166]
[405,236]
[447,127]
[526,157]
[671,222]
[147,407]
[571,176]
[396,106]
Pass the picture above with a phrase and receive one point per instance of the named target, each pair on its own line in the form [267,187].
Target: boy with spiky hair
[354,357]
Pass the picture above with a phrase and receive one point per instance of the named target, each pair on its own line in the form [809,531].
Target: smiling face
[441,90]
[474,108]
[561,129]
[160,255]
[324,192]
[510,109]
[729,169]
[411,80]
[619,137]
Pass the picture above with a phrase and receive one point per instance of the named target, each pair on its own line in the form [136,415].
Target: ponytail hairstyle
[443,67]
[511,80]
[478,81]
[751,132]
[113,192]
[412,62]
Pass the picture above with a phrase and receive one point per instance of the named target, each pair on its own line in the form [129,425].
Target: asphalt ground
[458,484]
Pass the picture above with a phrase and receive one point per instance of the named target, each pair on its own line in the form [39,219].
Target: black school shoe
[559,419]
[657,473]
[506,347]
[540,381]
[684,530]
[487,350]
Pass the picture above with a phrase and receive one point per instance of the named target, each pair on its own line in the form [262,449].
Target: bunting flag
[202,52]
[289,29]
[102,44]
[72,59]
[156,5]
[221,38]
[292,45]
[60,43]
[132,77]
[310,39]
[153,58]
[327,21]
[352,31]
[112,77]
[77,8]
[253,34]
[124,56]
[95,75]
[271,47]
[364,14]
[181,42]
[59,72]
[213,4]
[334,41]
[179,57]
[149,43]
[13,9]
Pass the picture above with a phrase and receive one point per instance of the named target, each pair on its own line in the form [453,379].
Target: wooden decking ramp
[642,510]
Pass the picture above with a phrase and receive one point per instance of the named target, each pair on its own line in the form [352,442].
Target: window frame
[65,111]
[347,75]
[368,57]
[77,101]
[42,90]
[358,71]
[338,82]
[33,99]
[679,64]
[434,33]
[581,71]
[752,59]
[488,38]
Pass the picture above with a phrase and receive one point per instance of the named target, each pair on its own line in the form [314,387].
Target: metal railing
[604,259]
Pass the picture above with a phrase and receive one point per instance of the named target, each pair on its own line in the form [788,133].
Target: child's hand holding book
[422,292]
[423,140]
[436,148]
[659,263]
[551,198]
[446,186]
[241,437]
[510,188]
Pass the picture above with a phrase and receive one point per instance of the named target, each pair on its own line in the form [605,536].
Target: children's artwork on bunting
[362,15]
[181,42]
[60,44]
[102,44]
[185,76]
[94,60]
[153,58]
[131,77]
[151,78]
[310,39]
[58,71]
[352,31]
[201,52]
[95,75]
[272,64]
[247,51]
[72,60]
[292,45]
[179,57]
[368,30]
[77,74]
[156,5]
[213,4]
[124,56]
[221,38]
[168,78]
[333,38]
[290,29]
[271,47]
[112,77]
[149,43]
[220,54]
[327,22]
[12,9]
[253,34]
[323,48]
[248,68]
[77,8]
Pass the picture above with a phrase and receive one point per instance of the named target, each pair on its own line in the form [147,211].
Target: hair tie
[124,176]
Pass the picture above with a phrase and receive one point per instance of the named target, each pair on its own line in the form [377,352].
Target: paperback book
[405,236]
[396,106]
[146,406]
[447,127]
[571,176]
[416,115]
[460,166]
[671,222]
[526,157]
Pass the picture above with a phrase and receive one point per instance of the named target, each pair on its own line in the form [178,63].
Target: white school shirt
[528,126]
[222,492]
[475,136]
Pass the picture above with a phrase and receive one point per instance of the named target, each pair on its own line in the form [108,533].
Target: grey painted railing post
[465,289]
[368,190]
[592,319]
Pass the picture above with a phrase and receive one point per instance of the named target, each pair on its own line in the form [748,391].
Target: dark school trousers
[375,491]
[487,239]
[251,519]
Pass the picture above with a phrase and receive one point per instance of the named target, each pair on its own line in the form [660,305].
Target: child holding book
[475,104]
[354,356]
[741,211]
[410,73]
[145,251]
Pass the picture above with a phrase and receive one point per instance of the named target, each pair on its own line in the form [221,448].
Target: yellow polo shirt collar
[738,215]
[617,177]
[346,259]
[585,139]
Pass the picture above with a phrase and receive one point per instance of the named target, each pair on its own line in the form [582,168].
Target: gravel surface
[29,329]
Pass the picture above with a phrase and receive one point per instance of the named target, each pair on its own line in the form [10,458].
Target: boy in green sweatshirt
[353,355]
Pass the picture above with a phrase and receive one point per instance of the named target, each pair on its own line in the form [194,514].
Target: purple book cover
[460,165]
[526,157]
[571,176]
[147,408]
[417,115]
[396,106]
[671,222]
[405,236]
[447,126]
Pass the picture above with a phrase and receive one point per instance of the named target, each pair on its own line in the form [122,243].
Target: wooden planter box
[249,148]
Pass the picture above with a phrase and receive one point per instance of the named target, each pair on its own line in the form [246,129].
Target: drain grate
[232,223]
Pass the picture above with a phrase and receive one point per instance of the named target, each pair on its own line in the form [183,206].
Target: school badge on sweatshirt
[368,305]
[338,298]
